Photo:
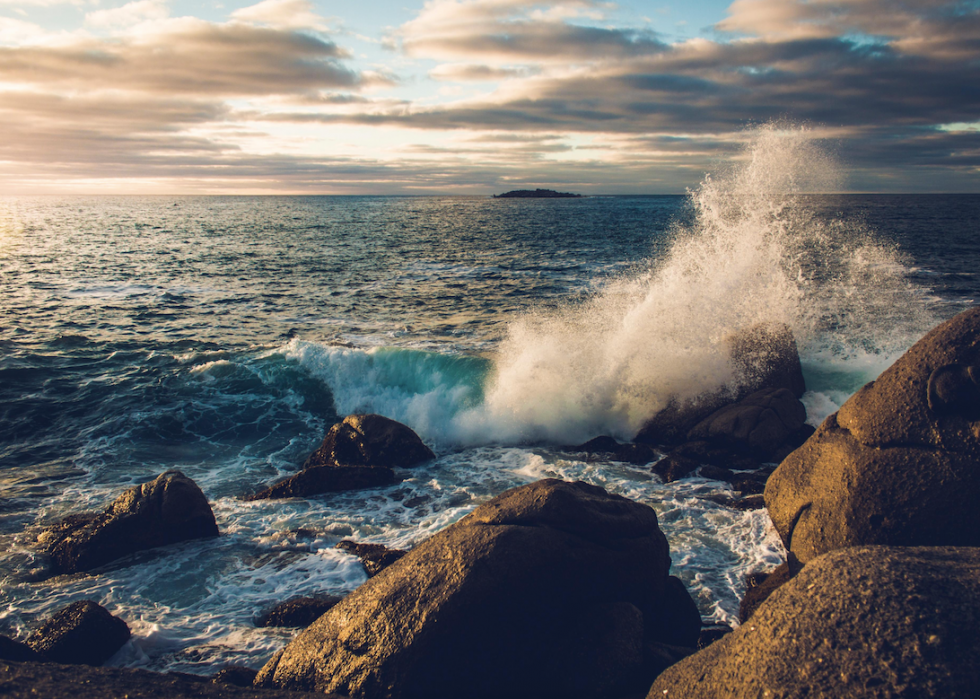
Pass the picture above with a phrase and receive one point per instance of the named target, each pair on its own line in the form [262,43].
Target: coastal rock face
[551,589]
[359,452]
[374,557]
[763,356]
[17,651]
[166,510]
[898,463]
[83,633]
[860,622]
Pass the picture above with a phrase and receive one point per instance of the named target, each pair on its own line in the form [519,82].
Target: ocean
[222,336]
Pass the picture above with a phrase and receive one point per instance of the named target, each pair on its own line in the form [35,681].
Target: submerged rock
[83,633]
[169,509]
[609,448]
[551,589]
[358,452]
[897,464]
[860,622]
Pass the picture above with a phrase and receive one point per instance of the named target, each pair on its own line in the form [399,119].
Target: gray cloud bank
[894,85]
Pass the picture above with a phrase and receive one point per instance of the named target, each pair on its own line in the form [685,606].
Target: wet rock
[17,651]
[763,357]
[858,622]
[758,425]
[327,479]
[551,589]
[166,510]
[673,467]
[375,557]
[298,612]
[83,633]
[359,452]
[897,464]
[609,448]
[715,473]
[235,675]
[746,503]
[370,440]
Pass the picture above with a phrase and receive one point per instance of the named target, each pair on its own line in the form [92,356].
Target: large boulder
[764,356]
[860,622]
[83,633]
[551,589]
[166,510]
[898,463]
[359,452]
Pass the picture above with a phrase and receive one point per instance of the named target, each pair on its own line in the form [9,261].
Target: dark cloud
[187,57]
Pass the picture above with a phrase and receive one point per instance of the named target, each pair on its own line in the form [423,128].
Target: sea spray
[755,253]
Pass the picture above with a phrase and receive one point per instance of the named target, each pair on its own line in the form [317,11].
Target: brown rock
[897,465]
[370,440]
[552,589]
[860,622]
[759,424]
[166,510]
[83,633]
[327,479]
[17,651]
[761,586]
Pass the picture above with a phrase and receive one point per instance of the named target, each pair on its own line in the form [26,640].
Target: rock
[673,467]
[83,633]
[359,452]
[370,440]
[749,502]
[766,356]
[715,473]
[610,448]
[859,622]
[235,675]
[712,633]
[17,651]
[297,612]
[759,424]
[897,464]
[375,557]
[763,356]
[327,479]
[551,589]
[760,586]
[166,510]
[54,681]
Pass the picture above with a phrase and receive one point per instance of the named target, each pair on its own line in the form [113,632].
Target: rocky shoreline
[562,589]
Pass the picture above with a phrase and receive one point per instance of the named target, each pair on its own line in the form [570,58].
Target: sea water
[222,336]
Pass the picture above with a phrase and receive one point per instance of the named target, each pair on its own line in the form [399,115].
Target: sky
[478,96]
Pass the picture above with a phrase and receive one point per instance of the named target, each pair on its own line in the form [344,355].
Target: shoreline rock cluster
[562,589]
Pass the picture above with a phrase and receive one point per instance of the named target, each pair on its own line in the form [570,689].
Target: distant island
[536,194]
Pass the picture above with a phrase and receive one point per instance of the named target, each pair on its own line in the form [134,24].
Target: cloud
[466,72]
[282,14]
[129,14]
[511,31]
[185,56]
